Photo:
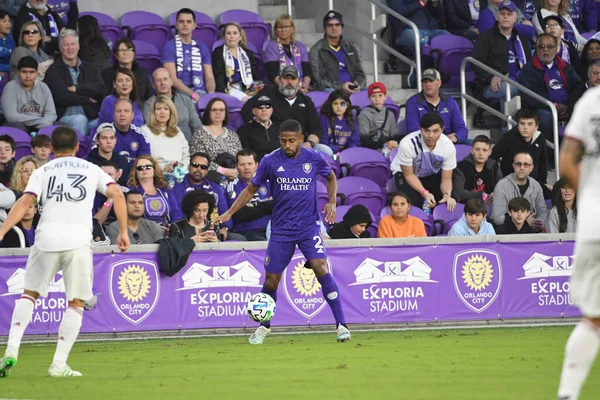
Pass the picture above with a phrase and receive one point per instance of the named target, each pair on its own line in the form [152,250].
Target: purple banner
[444,282]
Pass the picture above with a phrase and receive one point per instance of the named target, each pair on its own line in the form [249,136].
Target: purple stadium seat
[257,32]
[366,163]
[318,98]
[335,165]
[22,140]
[415,212]
[234,108]
[462,150]
[147,55]
[588,35]
[85,142]
[361,99]
[358,190]
[111,31]
[450,51]
[206,30]
[342,210]
[146,26]
[445,219]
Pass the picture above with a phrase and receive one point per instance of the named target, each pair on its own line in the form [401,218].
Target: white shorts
[585,281]
[76,265]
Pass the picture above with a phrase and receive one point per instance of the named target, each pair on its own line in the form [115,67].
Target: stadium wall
[380,282]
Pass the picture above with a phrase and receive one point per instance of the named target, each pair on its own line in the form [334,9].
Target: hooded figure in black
[354,224]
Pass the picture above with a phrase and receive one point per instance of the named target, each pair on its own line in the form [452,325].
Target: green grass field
[516,363]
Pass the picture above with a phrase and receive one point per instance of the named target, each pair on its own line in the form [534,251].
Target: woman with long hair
[234,65]
[562,217]
[399,224]
[31,43]
[22,172]
[93,49]
[160,205]
[590,53]
[124,52]
[217,140]
[197,207]
[124,87]
[168,145]
[285,50]
[340,128]
[561,8]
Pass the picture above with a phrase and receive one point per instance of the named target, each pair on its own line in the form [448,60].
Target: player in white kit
[580,167]
[66,187]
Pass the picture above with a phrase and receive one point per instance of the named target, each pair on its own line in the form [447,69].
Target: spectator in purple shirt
[124,87]
[131,142]
[340,128]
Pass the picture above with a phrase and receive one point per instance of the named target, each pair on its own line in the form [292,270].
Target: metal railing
[464,97]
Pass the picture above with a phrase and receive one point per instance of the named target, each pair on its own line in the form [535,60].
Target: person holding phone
[197,206]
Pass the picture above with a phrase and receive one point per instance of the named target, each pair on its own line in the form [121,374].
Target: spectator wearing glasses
[261,134]
[520,184]
[197,207]
[139,229]
[285,50]
[124,52]
[559,8]
[160,204]
[30,45]
[552,78]
[554,25]
[197,180]
[335,61]
[51,23]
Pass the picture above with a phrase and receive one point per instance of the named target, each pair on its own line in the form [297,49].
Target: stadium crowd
[183,140]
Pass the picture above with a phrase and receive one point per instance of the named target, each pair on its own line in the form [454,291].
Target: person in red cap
[376,124]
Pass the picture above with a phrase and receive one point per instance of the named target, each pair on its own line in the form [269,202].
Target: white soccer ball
[261,307]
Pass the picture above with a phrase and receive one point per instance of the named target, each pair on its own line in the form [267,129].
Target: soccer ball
[261,307]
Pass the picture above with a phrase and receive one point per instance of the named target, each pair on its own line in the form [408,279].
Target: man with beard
[289,103]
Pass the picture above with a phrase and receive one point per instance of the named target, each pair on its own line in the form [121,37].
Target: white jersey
[584,127]
[66,187]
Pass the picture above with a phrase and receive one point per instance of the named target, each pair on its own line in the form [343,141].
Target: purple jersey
[341,57]
[169,54]
[132,144]
[294,190]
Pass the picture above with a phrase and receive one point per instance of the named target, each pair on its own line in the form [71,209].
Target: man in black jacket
[289,103]
[76,86]
[106,140]
[261,134]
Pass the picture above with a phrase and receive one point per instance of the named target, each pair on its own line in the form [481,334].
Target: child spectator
[27,225]
[340,129]
[399,224]
[525,138]
[518,211]
[376,123]
[40,147]
[7,159]
[475,177]
[473,223]
[354,225]
[7,45]
[563,216]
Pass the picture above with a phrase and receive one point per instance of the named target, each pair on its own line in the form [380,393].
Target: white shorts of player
[585,281]
[76,265]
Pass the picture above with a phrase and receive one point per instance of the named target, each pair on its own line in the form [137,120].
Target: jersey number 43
[75,192]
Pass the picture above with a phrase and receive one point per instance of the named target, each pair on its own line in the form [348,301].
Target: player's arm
[571,154]
[329,209]
[17,212]
[243,199]
[114,193]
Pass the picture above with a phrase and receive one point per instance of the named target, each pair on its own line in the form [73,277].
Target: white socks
[67,333]
[20,319]
[580,354]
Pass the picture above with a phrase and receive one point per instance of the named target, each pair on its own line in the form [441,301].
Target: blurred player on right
[580,168]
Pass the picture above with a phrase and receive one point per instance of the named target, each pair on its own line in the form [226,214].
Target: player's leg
[584,342]
[270,287]
[314,251]
[78,278]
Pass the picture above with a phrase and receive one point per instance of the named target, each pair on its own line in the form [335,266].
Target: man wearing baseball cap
[261,134]
[106,141]
[335,61]
[376,123]
[431,100]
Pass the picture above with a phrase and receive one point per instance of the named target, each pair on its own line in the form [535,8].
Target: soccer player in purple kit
[292,171]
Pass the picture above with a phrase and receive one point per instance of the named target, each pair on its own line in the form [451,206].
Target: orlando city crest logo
[306,167]
[302,288]
[134,289]
[477,278]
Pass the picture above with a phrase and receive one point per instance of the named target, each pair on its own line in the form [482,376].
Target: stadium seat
[234,108]
[257,32]
[85,142]
[318,98]
[448,52]
[146,26]
[335,165]
[342,210]
[22,140]
[366,163]
[206,30]
[445,219]
[111,31]
[357,190]
[323,197]
[415,212]
[361,99]
[462,150]
[147,55]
